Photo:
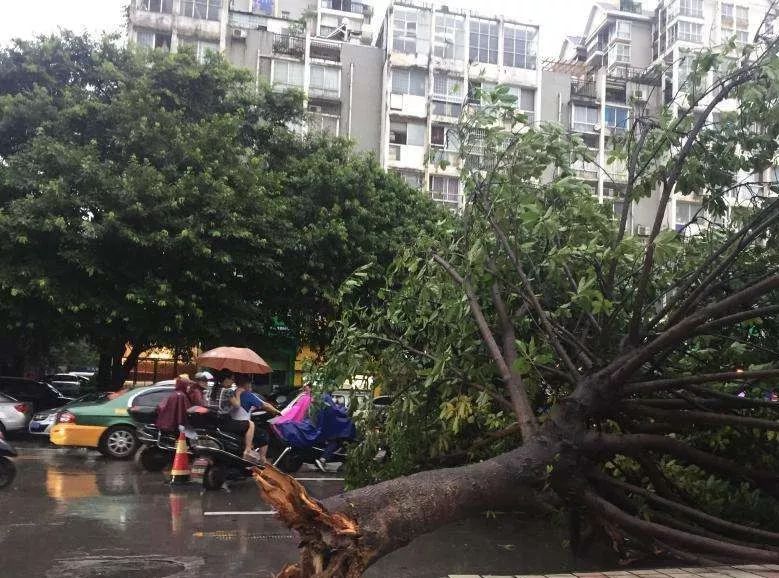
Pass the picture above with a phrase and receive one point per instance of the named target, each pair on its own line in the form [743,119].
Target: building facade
[632,61]
[434,60]
[397,85]
[318,48]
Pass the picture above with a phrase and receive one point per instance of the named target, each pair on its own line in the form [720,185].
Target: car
[14,414]
[40,395]
[42,422]
[105,424]
[68,383]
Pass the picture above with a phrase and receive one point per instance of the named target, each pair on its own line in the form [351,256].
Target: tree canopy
[151,199]
[546,353]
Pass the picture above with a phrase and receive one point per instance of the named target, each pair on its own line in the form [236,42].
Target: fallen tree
[540,343]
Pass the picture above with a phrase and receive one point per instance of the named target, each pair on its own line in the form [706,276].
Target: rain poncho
[332,422]
[172,411]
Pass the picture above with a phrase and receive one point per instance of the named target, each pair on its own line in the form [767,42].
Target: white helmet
[204,376]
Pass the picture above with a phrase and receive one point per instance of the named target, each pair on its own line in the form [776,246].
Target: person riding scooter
[244,402]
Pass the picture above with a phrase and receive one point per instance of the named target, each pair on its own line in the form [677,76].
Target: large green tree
[150,199]
[546,354]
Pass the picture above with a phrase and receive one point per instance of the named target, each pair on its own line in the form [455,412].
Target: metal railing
[160,6]
[330,51]
[584,88]
[290,45]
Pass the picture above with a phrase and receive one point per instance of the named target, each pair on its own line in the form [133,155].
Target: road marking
[242,513]
[320,479]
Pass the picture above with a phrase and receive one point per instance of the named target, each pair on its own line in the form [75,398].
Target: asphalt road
[73,514]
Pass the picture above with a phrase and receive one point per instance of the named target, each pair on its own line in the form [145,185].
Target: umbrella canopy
[238,359]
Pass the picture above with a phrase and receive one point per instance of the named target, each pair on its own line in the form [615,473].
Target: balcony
[330,51]
[586,89]
[289,45]
[324,93]
[347,6]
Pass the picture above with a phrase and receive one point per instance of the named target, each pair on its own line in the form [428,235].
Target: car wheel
[118,442]
[214,477]
[7,472]
[152,459]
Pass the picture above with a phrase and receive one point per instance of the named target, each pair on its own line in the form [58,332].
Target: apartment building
[434,59]
[630,60]
[317,47]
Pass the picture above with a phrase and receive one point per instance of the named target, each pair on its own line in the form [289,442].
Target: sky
[26,18]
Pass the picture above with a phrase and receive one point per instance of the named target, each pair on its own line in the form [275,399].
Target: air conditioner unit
[239,33]
[642,230]
[596,128]
[638,95]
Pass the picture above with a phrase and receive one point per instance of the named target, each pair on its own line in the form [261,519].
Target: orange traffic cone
[179,473]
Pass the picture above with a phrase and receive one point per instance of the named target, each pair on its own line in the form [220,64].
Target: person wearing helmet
[198,386]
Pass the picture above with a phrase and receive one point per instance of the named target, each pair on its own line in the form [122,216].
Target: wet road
[72,513]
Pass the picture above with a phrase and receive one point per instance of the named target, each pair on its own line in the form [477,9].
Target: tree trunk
[345,534]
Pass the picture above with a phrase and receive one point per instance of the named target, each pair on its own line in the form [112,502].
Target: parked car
[42,422]
[40,395]
[105,424]
[69,384]
[14,414]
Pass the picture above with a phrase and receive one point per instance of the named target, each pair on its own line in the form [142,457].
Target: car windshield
[54,390]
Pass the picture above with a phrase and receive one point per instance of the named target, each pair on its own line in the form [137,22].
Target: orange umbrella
[238,359]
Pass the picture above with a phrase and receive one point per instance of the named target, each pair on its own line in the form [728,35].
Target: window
[622,30]
[407,133]
[525,97]
[438,135]
[201,9]
[619,53]
[585,118]
[685,213]
[742,17]
[450,109]
[446,86]
[200,47]
[324,81]
[285,14]
[409,81]
[727,15]
[445,189]
[151,39]
[323,123]
[413,179]
[162,6]
[689,31]
[404,31]
[449,41]
[151,399]
[484,41]
[617,118]
[519,46]
[691,8]
[287,74]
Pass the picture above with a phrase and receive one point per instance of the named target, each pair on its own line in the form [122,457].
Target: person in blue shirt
[244,402]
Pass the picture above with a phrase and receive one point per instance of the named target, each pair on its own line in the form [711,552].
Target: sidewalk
[748,571]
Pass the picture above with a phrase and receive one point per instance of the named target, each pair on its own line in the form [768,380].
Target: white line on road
[320,479]
[241,513]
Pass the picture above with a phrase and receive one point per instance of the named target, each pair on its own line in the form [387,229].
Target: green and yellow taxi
[104,423]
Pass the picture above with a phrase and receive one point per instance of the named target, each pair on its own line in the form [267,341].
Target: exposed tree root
[329,541]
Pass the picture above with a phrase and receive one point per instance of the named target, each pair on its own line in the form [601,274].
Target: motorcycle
[7,467]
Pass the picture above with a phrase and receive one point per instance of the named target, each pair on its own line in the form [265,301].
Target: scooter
[7,467]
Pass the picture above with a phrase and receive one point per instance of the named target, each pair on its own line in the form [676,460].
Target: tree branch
[520,401]
[613,514]
[674,382]
[627,364]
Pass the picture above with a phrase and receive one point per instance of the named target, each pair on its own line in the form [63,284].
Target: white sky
[26,18]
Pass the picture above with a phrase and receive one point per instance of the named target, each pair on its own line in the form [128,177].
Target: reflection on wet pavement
[105,518]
